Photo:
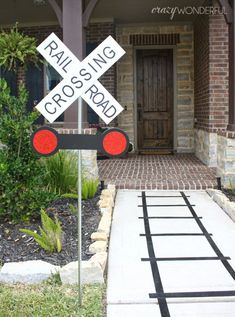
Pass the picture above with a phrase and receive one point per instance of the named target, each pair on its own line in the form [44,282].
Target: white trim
[156,47]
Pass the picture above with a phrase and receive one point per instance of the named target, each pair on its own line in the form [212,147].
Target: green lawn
[50,300]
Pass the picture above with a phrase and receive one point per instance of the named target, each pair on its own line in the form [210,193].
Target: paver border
[223,201]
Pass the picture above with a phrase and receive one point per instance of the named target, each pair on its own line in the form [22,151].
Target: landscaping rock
[99,236]
[106,202]
[230,209]
[98,246]
[220,199]
[91,273]
[101,258]
[29,272]
[223,201]
[106,193]
[105,224]
[212,192]
[106,210]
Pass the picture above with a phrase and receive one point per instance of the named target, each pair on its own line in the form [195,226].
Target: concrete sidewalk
[171,254]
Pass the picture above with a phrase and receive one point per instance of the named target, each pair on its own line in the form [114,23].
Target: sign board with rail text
[80,78]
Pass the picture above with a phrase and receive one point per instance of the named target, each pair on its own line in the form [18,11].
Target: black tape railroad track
[153,259]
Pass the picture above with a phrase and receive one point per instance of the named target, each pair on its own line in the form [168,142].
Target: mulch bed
[230,193]
[16,246]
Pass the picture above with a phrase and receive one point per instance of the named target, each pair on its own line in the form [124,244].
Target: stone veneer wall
[226,158]
[206,147]
[184,112]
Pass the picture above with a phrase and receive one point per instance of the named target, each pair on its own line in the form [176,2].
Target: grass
[50,299]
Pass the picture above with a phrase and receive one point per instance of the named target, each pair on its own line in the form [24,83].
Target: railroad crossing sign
[80,78]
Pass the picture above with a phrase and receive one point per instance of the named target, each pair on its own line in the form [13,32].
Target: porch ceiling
[25,12]
[134,11]
[122,11]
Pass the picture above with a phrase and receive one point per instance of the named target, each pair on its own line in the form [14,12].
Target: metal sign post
[80,82]
[79,205]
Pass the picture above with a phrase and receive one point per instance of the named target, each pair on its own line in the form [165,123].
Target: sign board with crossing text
[80,78]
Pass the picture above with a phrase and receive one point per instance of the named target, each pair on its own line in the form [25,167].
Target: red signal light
[45,141]
[115,143]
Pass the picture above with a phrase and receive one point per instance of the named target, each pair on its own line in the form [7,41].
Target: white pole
[79,204]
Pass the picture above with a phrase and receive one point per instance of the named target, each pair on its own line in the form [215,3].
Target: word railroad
[80,78]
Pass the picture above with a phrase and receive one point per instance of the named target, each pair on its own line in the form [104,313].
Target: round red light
[115,143]
[45,142]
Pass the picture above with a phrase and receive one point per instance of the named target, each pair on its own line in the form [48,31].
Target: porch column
[231,125]
[74,38]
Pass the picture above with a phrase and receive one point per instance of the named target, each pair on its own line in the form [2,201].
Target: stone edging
[92,271]
[222,200]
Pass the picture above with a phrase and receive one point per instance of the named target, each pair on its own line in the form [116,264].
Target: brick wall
[201,53]
[42,32]
[96,33]
[211,73]
[211,84]
[219,73]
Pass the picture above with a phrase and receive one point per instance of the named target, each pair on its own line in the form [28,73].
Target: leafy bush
[17,49]
[50,237]
[89,188]
[21,189]
[61,172]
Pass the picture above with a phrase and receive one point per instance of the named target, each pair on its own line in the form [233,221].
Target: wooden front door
[155,99]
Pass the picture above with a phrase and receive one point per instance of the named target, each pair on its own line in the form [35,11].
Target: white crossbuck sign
[80,78]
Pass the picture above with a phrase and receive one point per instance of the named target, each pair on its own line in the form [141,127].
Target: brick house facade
[199,64]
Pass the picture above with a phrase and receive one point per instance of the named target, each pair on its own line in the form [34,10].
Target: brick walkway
[180,171]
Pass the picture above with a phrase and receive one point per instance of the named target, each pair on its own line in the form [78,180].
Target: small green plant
[70,196]
[53,280]
[73,209]
[50,237]
[89,188]
[61,172]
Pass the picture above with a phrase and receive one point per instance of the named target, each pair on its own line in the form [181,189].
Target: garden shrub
[61,172]
[21,189]
[89,188]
